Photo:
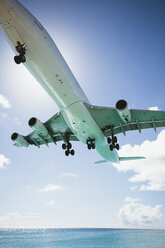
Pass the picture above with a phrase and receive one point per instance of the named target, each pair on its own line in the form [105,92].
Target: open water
[81,238]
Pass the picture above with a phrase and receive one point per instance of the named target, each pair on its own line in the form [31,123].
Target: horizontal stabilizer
[101,161]
[130,158]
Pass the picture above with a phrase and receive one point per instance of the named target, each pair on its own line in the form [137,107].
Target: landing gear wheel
[23,59]
[93,146]
[89,146]
[115,139]
[64,146]
[17,60]
[67,153]
[72,152]
[109,140]
[117,146]
[69,145]
[111,147]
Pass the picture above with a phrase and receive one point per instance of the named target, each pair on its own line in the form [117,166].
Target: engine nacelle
[38,126]
[19,139]
[123,110]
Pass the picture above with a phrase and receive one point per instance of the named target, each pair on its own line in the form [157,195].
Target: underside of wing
[53,130]
[111,121]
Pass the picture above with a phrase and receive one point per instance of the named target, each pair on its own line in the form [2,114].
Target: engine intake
[38,126]
[123,110]
[19,139]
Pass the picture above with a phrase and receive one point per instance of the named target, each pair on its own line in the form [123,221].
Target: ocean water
[81,238]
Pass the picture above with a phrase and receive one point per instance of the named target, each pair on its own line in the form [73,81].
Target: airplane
[78,120]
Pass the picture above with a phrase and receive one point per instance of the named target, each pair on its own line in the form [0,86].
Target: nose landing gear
[21,49]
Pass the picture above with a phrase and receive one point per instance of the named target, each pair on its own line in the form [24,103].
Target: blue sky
[116,50]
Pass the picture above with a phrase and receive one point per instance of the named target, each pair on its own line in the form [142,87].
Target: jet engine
[123,110]
[38,126]
[19,139]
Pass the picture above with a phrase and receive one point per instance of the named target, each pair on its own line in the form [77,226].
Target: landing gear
[21,49]
[112,141]
[114,145]
[90,144]
[19,60]
[67,146]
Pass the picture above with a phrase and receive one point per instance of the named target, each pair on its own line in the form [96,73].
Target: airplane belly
[43,58]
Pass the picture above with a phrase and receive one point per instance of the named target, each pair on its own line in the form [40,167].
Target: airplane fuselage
[47,65]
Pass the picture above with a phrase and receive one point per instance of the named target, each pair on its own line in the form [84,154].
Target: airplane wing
[53,130]
[110,121]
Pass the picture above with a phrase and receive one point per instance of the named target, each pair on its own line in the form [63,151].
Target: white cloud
[51,188]
[68,174]
[135,214]
[3,161]
[4,102]
[129,199]
[151,170]
[154,108]
[16,219]
[50,203]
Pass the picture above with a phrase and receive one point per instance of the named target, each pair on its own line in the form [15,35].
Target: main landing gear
[67,146]
[21,49]
[113,141]
[90,143]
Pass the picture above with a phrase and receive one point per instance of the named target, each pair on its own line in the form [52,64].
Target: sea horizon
[104,228]
[81,238]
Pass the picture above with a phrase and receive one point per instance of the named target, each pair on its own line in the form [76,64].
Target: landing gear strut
[90,143]
[21,49]
[113,141]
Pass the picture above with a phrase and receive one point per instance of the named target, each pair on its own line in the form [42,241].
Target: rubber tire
[17,60]
[117,146]
[67,153]
[115,139]
[64,146]
[89,146]
[93,146]
[111,147]
[72,152]
[69,145]
[23,59]
[109,140]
